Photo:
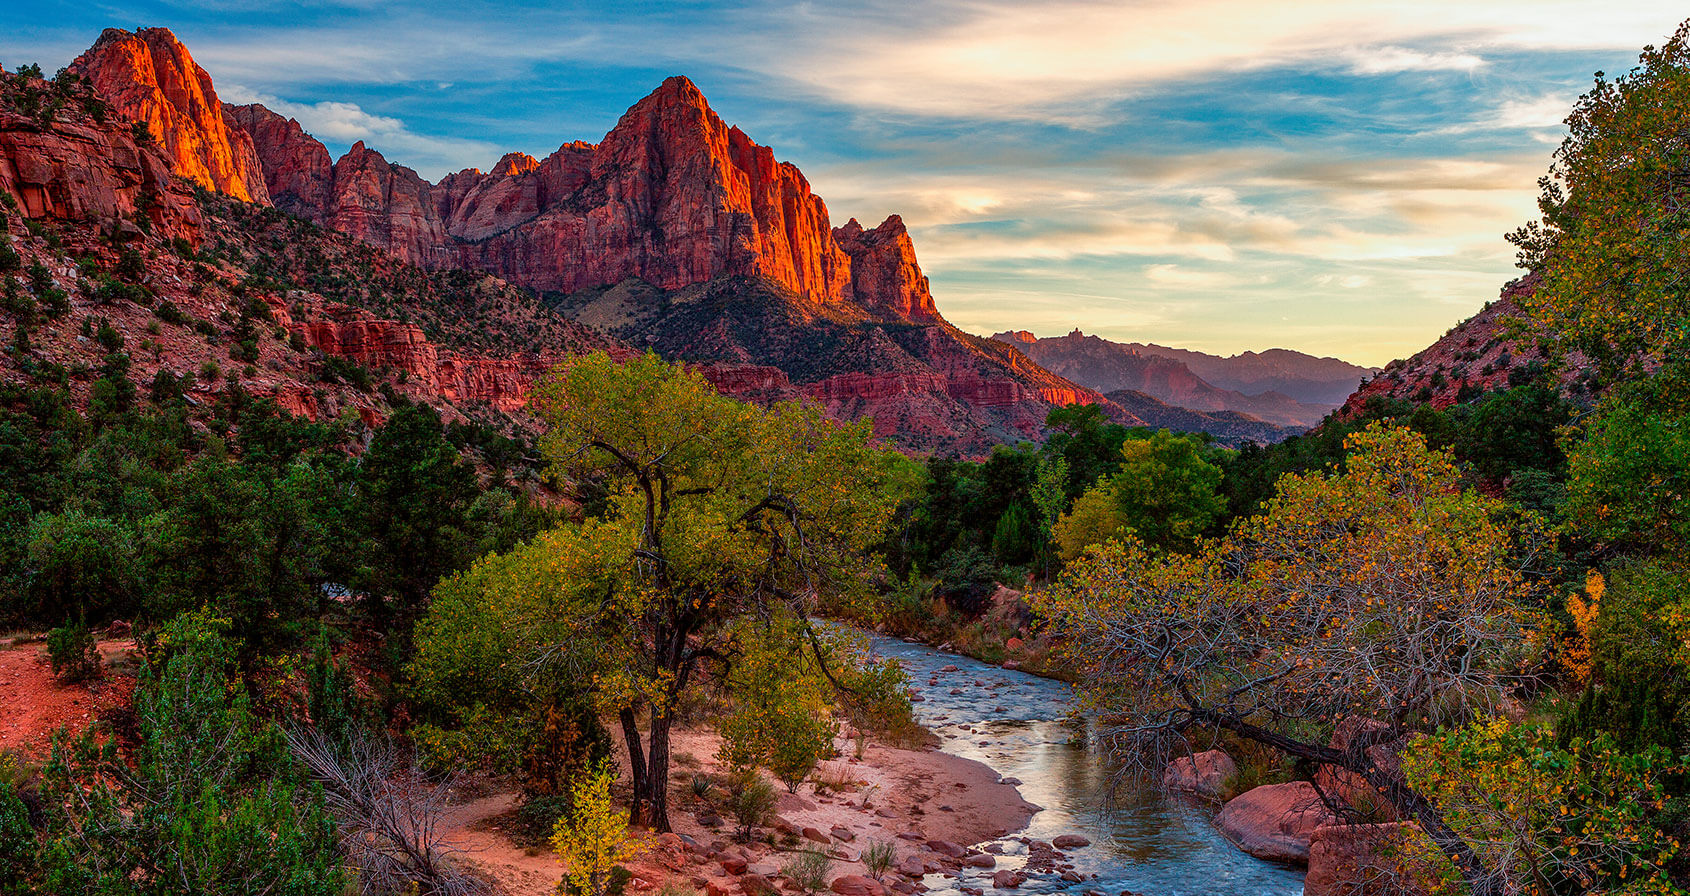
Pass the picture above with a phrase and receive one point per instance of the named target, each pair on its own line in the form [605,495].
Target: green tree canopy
[1610,245]
[717,511]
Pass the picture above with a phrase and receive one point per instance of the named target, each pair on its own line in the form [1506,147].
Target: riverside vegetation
[334,616]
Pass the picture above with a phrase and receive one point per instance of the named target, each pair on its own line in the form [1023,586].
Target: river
[1142,841]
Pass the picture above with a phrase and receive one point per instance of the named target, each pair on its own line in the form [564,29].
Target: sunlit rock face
[149,76]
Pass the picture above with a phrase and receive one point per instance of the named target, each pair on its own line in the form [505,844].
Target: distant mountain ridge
[1172,375]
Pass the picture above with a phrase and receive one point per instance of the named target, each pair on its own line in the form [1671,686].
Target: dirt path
[476,829]
[33,704]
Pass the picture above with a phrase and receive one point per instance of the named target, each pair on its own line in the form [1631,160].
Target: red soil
[33,704]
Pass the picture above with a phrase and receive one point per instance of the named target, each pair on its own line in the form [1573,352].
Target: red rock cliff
[149,76]
[672,196]
[298,174]
[884,272]
[76,170]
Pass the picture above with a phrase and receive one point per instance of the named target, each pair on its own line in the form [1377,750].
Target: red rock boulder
[1350,860]
[856,885]
[1275,821]
[1207,774]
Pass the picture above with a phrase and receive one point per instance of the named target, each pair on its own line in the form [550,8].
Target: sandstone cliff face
[75,170]
[430,373]
[672,196]
[884,272]
[149,76]
[388,206]
[298,174]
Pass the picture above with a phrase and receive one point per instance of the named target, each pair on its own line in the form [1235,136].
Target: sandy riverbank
[931,805]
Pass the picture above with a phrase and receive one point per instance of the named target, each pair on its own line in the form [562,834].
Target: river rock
[980,860]
[912,866]
[1207,774]
[1274,821]
[1344,860]
[1008,879]
[948,669]
[947,848]
[758,885]
[1070,841]
[857,885]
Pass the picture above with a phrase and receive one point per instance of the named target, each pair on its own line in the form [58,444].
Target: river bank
[1017,724]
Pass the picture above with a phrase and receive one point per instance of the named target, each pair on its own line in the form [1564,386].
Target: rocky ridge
[1478,355]
[1111,366]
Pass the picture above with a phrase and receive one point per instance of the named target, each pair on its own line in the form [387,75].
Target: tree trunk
[636,763]
[657,774]
[1479,879]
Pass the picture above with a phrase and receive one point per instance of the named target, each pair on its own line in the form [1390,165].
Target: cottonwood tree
[718,512]
[1383,591]
[1610,245]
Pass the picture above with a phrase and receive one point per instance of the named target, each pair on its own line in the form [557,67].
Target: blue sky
[1224,175]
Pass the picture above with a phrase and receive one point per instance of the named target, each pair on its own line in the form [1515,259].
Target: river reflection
[1142,841]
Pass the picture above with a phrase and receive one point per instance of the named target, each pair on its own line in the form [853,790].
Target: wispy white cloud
[345,123]
[1392,60]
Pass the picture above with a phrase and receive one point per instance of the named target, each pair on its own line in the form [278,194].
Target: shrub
[170,314]
[207,801]
[808,870]
[878,857]
[70,649]
[17,842]
[131,266]
[751,801]
[594,838]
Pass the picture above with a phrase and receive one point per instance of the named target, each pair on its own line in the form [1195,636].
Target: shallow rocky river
[1140,841]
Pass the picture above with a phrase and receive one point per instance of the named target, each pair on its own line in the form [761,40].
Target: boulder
[815,835]
[758,885]
[980,860]
[1274,821]
[1351,787]
[1008,879]
[1070,841]
[716,888]
[947,848]
[1207,774]
[842,834]
[1345,860]
[856,885]
[734,865]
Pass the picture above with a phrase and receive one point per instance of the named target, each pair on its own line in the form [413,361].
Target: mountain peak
[150,77]
[515,163]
